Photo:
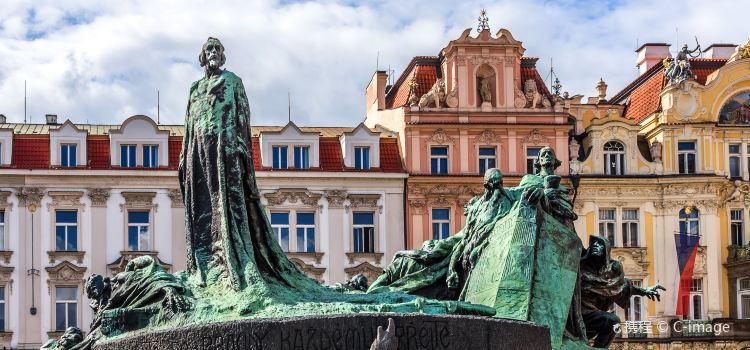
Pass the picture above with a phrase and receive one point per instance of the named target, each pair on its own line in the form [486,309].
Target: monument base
[342,332]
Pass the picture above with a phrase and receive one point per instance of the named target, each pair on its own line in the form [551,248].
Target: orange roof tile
[331,158]
[30,152]
[426,70]
[390,160]
[97,150]
[175,148]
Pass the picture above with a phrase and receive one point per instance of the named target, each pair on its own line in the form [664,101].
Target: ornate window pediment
[370,271]
[65,199]
[175,196]
[364,201]
[293,196]
[29,196]
[336,198]
[536,137]
[138,200]
[64,273]
[98,196]
[309,269]
[118,265]
[440,137]
[487,137]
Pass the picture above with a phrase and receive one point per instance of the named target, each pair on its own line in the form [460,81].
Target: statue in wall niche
[573,148]
[68,341]
[678,70]
[440,268]
[655,149]
[436,95]
[603,284]
[485,91]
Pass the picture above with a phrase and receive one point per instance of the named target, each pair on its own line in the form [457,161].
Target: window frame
[441,224]
[281,160]
[278,229]
[370,235]
[67,302]
[362,157]
[530,158]
[687,219]
[67,154]
[696,292]
[484,160]
[439,159]
[626,226]
[736,223]
[153,155]
[3,228]
[736,156]
[685,170]
[138,226]
[306,229]
[630,313]
[66,227]
[131,163]
[3,308]
[300,160]
[740,294]
[612,237]
[619,156]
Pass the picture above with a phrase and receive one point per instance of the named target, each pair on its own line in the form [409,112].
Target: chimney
[375,93]
[3,120]
[651,54]
[720,51]
[51,119]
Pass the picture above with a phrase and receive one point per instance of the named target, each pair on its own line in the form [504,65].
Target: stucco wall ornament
[4,203]
[29,196]
[451,100]
[364,201]
[436,95]
[139,200]
[487,137]
[520,98]
[336,198]
[98,196]
[65,199]
[743,51]
[536,137]
[533,97]
[293,196]
[175,197]
[64,273]
[440,137]
[738,193]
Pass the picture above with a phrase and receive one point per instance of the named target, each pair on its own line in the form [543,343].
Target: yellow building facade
[661,165]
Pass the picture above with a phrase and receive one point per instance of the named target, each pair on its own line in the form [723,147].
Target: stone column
[179,253]
[30,330]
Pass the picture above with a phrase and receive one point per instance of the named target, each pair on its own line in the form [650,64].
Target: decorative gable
[361,136]
[69,135]
[290,136]
[139,130]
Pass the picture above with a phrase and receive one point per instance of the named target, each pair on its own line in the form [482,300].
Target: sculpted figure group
[232,250]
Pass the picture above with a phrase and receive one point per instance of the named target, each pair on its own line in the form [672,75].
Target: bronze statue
[68,341]
[678,70]
[229,237]
[603,284]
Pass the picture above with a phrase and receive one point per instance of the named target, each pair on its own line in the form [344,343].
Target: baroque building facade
[81,199]
[662,170]
[479,104]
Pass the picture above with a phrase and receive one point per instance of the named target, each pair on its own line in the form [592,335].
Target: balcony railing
[738,253]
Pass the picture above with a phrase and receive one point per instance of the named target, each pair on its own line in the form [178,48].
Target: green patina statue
[517,257]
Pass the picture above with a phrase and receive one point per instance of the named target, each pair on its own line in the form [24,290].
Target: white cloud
[103,61]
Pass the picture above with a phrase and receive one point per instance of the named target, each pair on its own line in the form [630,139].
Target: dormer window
[279,157]
[150,156]
[362,158]
[127,156]
[614,158]
[302,157]
[68,155]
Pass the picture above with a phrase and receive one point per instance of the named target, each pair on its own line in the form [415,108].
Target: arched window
[614,158]
[689,221]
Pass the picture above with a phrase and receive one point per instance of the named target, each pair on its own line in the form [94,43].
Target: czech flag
[687,248]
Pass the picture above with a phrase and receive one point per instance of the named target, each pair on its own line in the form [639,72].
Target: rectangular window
[280,225]
[635,309]
[150,156]
[66,230]
[138,231]
[68,155]
[306,232]
[686,156]
[696,299]
[487,159]
[279,157]
[2,230]
[439,160]
[735,160]
[745,306]
[607,225]
[747,160]
[736,227]
[364,232]
[630,227]
[441,223]
[127,156]
[302,157]
[66,308]
[2,309]
[362,158]
[531,154]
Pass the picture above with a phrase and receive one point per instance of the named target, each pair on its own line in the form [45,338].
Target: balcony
[738,254]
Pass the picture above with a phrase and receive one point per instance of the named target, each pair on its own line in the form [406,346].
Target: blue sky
[102,61]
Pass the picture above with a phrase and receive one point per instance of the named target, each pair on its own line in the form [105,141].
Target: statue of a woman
[228,234]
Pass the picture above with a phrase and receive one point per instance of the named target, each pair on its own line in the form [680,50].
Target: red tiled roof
[97,150]
[257,164]
[331,158]
[426,70]
[175,148]
[642,95]
[390,159]
[31,152]
[645,99]
[532,73]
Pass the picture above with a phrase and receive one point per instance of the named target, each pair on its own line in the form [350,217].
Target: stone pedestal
[343,332]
